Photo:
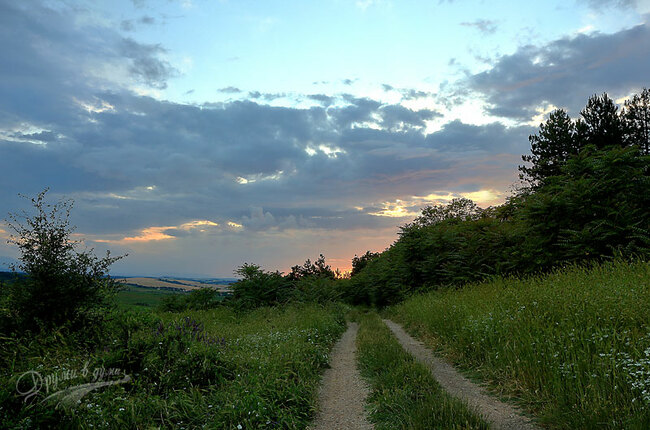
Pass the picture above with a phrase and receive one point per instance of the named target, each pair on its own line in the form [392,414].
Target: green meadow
[133,296]
[573,346]
[214,368]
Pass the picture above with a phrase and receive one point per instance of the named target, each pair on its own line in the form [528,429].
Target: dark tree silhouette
[600,124]
[636,116]
[550,148]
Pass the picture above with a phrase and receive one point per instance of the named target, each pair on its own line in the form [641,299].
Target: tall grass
[201,369]
[574,346]
[404,394]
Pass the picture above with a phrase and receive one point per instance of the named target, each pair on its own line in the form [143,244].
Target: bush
[259,288]
[62,286]
[202,299]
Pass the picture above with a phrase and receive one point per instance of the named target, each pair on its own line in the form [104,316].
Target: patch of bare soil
[342,394]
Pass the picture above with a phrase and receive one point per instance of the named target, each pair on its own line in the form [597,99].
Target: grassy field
[132,296]
[404,394]
[574,346]
[203,369]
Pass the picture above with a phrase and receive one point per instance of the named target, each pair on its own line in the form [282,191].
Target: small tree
[63,285]
[550,148]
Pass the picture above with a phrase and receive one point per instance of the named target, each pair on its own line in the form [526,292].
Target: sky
[197,135]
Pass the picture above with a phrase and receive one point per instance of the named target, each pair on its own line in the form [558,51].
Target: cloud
[565,72]
[50,46]
[277,180]
[131,25]
[600,4]
[485,26]
[146,64]
[325,100]
[229,90]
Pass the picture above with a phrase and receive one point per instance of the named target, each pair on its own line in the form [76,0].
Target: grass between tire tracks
[573,346]
[404,394]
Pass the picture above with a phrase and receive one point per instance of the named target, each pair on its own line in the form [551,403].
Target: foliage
[597,208]
[200,299]
[404,394]
[600,124]
[259,288]
[574,345]
[312,282]
[550,148]
[587,200]
[204,369]
[63,285]
[316,269]
[459,209]
[636,117]
[359,263]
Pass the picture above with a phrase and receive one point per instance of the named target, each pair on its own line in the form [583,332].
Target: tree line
[584,196]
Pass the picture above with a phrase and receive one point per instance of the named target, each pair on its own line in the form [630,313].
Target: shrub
[62,286]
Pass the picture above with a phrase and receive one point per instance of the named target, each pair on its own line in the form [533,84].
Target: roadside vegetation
[404,394]
[573,346]
[191,362]
[214,368]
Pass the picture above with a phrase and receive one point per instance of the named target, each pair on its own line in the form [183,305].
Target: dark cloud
[265,96]
[387,87]
[566,72]
[130,24]
[148,20]
[485,26]
[600,4]
[323,99]
[146,64]
[396,117]
[412,94]
[127,25]
[229,90]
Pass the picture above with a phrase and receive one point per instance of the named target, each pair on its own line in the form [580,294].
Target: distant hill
[6,262]
[8,276]
[184,284]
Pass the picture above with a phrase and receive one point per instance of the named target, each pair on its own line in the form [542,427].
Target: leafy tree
[259,288]
[318,269]
[550,148]
[636,116]
[62,285]
[597,209]
[358,263]
[459,209]
[600,124]
[200,299]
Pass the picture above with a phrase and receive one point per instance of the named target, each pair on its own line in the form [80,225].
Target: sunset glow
[199,135]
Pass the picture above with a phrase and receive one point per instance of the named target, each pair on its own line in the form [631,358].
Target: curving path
[500,415]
